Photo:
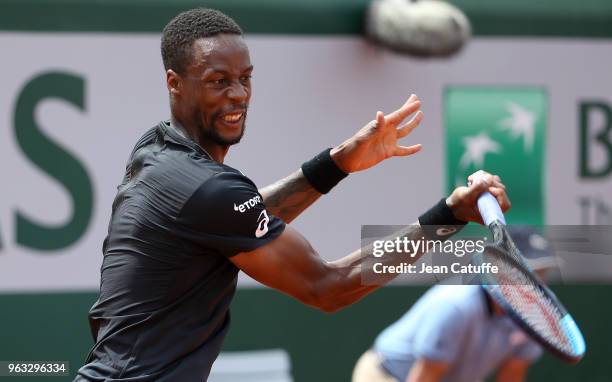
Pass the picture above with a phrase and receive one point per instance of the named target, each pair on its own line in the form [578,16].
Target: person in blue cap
[457,333]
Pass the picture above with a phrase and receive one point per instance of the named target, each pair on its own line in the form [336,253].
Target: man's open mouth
[233,117]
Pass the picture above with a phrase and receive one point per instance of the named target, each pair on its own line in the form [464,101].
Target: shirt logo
[243,207]
[445,231]
[262,224]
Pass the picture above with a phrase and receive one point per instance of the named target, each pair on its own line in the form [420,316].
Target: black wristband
[439,222]
[322,172]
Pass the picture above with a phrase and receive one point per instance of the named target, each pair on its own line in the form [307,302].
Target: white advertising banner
[73,105]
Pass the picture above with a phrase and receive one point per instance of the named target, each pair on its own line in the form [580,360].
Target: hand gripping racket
[521,293]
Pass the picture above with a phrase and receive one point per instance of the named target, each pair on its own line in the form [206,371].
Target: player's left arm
[513,370]
[372,144]
[290,196]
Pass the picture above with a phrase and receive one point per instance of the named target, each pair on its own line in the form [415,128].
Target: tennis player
[457,333]
[183,223]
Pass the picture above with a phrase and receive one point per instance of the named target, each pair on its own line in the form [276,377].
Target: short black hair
[180,33]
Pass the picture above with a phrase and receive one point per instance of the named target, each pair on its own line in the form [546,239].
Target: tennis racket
[521,293]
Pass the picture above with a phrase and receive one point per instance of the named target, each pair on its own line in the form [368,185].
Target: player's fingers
[496,183]
[502,197]
[403,112]
[477,186]
[483,174]
[411,125]
[402,151]
[412,105]
[380,120]
[476,176]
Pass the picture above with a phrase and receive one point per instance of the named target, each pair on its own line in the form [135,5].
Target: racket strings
[528,300]
[502,241]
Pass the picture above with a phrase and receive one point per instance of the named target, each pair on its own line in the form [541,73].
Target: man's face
[218,88]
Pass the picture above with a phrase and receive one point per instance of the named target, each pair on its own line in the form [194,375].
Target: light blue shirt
[454,324]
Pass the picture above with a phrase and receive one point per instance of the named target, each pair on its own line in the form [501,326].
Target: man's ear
[174,82]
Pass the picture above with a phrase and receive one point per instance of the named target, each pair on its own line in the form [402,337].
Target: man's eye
[245,78]
[220,81]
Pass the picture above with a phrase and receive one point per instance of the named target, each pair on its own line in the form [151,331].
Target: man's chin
[232,141]
[227,138]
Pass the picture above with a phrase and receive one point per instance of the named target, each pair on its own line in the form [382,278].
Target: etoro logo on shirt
[243,207]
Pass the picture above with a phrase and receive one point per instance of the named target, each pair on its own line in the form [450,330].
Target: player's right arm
[425,370]
[291,265]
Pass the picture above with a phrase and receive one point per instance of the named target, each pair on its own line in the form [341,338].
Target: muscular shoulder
[225,195]
[228,210]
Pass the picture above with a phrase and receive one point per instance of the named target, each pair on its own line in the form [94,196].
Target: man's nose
[238,91]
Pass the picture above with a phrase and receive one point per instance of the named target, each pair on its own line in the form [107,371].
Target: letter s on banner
[54,160]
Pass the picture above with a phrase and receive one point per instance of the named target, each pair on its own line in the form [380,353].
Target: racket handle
[488,206]
[489,209]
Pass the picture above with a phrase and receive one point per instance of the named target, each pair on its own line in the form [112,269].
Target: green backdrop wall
[323,347]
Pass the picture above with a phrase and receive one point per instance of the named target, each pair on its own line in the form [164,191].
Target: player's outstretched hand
[463,200]
[378,140]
